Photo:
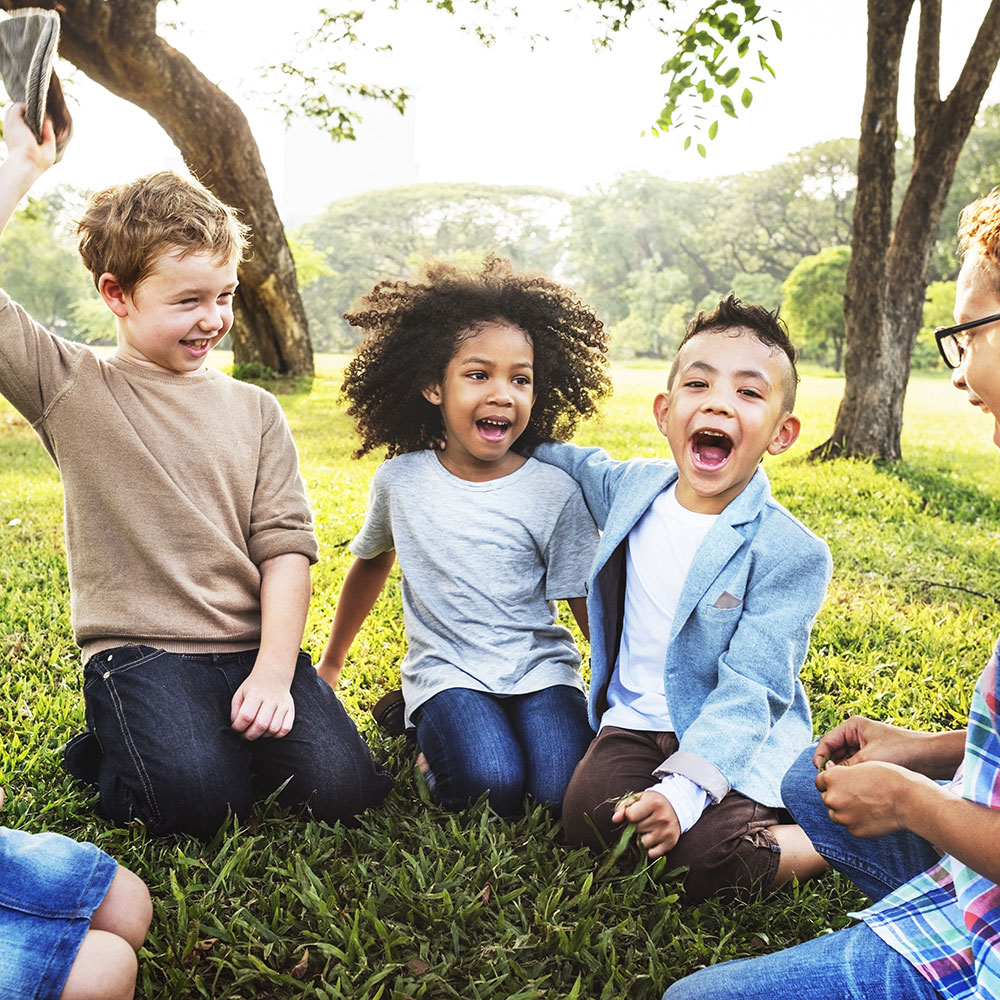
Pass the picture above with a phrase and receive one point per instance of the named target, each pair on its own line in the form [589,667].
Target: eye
[695,383]
[478,376]
[752,393]
[522,380]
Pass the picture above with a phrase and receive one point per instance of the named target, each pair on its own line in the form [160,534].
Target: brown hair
[415,327]
[126,227]
[766,326]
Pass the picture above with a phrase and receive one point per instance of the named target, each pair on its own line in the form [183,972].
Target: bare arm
[26,160]
[263,706]
[578,605]
[936,755]
[874,798]
[362,585]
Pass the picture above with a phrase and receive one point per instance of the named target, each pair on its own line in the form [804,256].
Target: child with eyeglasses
[925,852]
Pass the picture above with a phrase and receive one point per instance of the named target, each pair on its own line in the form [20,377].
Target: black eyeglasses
[951,345]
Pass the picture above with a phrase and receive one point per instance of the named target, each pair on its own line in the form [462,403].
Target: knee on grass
[105,968]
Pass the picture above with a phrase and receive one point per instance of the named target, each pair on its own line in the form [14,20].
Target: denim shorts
[49,888]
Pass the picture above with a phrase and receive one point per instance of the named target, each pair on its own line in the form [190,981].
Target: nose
[499,393]
[213,320]
[716,401]
[958,376]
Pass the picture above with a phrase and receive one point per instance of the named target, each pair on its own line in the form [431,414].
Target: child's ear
[661,406]
[113,294]
[786,434]
[432,393]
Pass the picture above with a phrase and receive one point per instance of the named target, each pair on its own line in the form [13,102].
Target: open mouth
[196,345]
[493,428]
[711,449]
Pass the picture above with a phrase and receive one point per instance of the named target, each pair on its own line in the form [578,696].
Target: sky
[557,114]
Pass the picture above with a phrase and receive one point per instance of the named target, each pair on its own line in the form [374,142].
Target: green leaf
[701,151]
[687,142]
[747,98]
[744,46]
[727,105]
[777,29]
[713,130]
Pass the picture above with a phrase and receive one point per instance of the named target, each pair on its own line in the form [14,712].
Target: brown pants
[729,852]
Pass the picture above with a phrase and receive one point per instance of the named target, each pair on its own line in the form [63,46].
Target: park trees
[813,304]
[117,44]
[891,259]
[386,233]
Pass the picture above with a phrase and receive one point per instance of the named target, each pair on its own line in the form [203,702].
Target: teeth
[495,423]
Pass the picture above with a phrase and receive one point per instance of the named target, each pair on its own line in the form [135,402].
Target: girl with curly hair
[457,369]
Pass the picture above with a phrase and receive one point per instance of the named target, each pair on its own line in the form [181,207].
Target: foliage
[384,234]
[658,298]
[41,269]
[937,312]
[813,305]
[414,902]
[707,58]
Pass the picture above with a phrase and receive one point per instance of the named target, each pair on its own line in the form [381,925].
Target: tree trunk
[115,43]
[887,278]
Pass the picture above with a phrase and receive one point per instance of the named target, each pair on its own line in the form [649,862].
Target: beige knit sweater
[176,489]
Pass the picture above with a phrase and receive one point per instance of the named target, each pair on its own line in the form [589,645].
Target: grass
[415,902]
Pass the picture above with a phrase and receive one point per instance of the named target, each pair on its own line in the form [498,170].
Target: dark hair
[413,329]
[766,326]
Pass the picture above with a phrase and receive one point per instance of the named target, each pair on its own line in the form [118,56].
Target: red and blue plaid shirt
[946,921]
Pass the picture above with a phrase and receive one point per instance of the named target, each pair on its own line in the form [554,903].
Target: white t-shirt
[659,553]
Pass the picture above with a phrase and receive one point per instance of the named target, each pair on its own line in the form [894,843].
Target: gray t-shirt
[481,564]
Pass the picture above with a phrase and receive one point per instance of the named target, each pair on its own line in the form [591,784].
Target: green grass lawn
[415,902]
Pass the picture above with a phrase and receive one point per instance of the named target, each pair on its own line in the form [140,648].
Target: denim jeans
[169,756]
[509,745]
[853,964]
[875,866]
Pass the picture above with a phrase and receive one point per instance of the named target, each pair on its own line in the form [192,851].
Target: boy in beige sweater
[189,536]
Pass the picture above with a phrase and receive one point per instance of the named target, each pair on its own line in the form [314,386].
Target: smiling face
[978,295]
[485,399]
[724,410]
[177,314]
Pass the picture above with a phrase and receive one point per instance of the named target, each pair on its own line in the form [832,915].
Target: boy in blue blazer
[702,598]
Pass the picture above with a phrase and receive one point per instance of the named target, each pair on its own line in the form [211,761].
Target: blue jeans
[508,745]
[875,866]
[853,964]
[169,756]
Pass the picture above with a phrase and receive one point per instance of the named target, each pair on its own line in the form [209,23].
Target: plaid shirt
[946,921]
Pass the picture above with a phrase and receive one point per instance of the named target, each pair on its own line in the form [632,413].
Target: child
[702,597]
[931,863]
[487,540]
[71,919]
[188,532]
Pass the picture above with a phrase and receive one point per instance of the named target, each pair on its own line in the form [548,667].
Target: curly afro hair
[413,329]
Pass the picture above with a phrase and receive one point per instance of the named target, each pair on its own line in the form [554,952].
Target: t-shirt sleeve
[375,536]
[571,550]
[282,519]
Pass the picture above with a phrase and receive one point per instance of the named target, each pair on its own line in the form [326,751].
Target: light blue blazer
[731,673]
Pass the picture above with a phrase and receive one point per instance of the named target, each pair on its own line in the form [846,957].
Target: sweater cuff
[699,770]
[686,797]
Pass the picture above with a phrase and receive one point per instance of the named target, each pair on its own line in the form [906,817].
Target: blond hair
[126,227]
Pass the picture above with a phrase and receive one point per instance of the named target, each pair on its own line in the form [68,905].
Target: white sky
[561,115]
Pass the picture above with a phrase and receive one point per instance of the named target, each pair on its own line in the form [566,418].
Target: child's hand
[869,799]
[262,707]
[21,143]
[656,826]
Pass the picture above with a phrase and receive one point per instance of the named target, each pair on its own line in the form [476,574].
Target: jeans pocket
[110,661]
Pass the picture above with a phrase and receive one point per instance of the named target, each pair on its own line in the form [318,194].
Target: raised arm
[362,585]
[26,160]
